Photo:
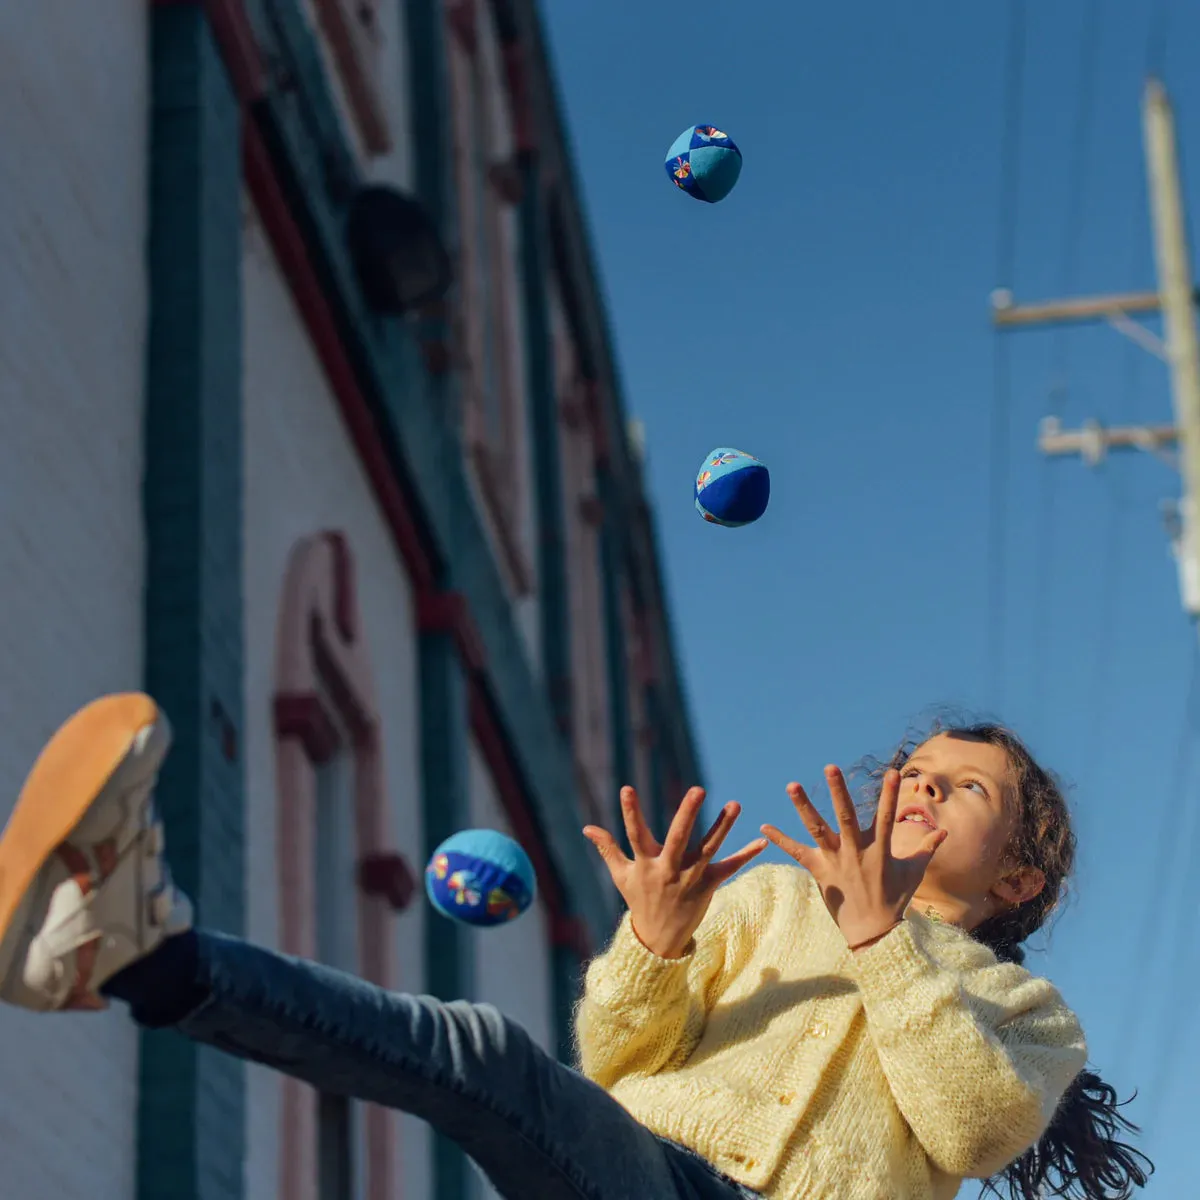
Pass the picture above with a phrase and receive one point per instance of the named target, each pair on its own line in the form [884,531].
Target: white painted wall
[512,962]
[73,99]
[302,476]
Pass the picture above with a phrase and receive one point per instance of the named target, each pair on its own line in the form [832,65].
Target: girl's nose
[930,788]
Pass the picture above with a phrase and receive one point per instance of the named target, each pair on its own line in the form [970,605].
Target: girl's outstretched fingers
[826,839]
[641,841]
[804,855]
[674,847]
[885,814]
[843,804]
[718,831]
[606,846]
[729,866]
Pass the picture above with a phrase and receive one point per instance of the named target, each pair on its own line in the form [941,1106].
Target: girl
[858,1030]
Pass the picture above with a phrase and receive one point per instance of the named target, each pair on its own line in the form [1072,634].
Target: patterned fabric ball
[732,488]
[704,162]
[480,877]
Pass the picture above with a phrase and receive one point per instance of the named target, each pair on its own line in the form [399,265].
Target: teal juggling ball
[704,162]
[480,877]
[732,488]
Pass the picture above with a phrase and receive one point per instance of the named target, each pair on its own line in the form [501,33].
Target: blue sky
[832,317]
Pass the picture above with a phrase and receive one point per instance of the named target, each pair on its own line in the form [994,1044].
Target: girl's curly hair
[1080,1154]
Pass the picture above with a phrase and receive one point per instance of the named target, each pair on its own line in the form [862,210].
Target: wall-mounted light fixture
[397,251]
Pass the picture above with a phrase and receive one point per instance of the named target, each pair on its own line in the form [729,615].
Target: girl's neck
[937,906]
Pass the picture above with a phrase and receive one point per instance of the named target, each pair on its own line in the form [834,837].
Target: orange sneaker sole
[68,775]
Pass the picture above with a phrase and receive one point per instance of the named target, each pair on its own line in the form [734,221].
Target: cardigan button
[787,1098]
[819,1030]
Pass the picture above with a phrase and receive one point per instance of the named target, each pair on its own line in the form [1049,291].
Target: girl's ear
[1019,886]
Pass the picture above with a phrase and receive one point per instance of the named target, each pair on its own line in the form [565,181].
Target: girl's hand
[668,887]
[865,887]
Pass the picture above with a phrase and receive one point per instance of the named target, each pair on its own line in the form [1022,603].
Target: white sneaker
[84,887]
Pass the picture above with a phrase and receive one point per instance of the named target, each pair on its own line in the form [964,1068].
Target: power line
[1010,155]
[1171,846]
[1081,139]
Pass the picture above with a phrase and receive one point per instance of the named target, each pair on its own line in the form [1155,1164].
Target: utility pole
[1176,299]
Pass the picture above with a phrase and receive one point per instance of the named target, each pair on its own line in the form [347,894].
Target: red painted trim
[313,655]
[235,37]
[515,76]
[388,875]
[570,933]
[594,407]
[463,20]
[492,744]
[303,282]
[449,612]
[351,32]
[345,601]
[303,716]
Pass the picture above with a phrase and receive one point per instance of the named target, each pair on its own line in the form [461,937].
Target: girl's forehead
[954,751]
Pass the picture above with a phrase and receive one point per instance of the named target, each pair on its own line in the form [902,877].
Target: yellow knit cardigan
[807,1072]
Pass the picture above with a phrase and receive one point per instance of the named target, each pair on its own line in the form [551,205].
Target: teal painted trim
[445,738]
[418,435]
[446,808]
[191,1121]
[611,575]
[554,608]
[631,515]
[432,140]
[545,455]
[431,133]
[658,801]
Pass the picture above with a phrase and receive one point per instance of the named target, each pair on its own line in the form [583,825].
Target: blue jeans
[537,1129]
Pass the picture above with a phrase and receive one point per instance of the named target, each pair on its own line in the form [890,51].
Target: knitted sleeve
[977,1054]
[640,1012]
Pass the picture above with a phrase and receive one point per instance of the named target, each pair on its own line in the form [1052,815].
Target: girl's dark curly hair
[1080,1154]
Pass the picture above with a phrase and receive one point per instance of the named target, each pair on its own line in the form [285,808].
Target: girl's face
[965,787]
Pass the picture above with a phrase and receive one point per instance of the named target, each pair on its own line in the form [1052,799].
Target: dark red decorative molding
[569,933]
[520,102]
[591,510]
[594,408]
[243,60]
[303,716]
[506,180]
[351,28]
[449,612]
[463,20]
[305,286]
[324,683]
[488,473]
[489,736]
[388,875]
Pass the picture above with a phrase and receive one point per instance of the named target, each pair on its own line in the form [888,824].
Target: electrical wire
[1170,846]
[1010,159]
[1059,391]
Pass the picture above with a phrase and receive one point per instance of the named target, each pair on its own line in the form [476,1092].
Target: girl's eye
[974,783]
[908,772]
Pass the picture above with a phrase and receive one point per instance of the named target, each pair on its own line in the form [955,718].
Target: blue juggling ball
[704,162]
[732,488]
[480,877]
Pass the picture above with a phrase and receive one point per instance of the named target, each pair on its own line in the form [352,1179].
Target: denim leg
[537,1129]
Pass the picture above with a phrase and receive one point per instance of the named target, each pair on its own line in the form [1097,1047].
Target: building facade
[391,574]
